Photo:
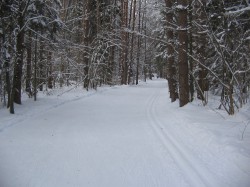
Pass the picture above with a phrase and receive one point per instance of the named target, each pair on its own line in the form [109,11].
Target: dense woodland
[199,46]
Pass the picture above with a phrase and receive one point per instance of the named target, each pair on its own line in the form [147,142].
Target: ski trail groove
[197,175]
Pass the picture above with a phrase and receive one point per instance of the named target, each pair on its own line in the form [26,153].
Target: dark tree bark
[18,66]
[124,38]
[138,46]
[7,80]
[41,75]
[202,82]
[90,31]
[86,43]
[172,83]
[182,50]
[6,71]
[16,90]
[190,51]
[50,78]
[28,65]
[133,3]
[35,71]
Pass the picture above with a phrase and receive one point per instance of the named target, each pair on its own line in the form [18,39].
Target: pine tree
[172,74]
[182,52]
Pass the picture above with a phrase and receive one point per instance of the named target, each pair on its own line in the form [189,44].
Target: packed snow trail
[126,136]
[197,175]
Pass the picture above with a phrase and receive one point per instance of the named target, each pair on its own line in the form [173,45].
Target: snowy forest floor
[122,136]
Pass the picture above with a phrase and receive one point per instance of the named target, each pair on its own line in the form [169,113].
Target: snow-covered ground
[122,136]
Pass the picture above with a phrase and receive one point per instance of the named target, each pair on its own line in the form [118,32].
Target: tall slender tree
[124,41]
[172,74]
[182,52]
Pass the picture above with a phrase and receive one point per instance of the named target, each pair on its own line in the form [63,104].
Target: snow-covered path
[125,136]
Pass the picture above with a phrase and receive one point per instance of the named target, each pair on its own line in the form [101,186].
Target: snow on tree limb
[237,11]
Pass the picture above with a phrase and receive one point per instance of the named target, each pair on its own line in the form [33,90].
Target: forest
[200,46]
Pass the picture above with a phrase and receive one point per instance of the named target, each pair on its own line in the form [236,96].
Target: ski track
[176,162]
[40,143]
[193,170]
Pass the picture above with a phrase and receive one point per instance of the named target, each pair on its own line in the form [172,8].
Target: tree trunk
[132,42]
[62,69]
[6,69]
[231,99]
[7,80]
[41,65]
[28,65]
[145,43]
[89,32]
[182,56]
[124,38]
[35,71]
[172,83]
[50,78]
[138,46]
[18,66]
[190,51]
[201,52]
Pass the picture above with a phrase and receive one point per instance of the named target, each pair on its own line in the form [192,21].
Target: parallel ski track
[196,173]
